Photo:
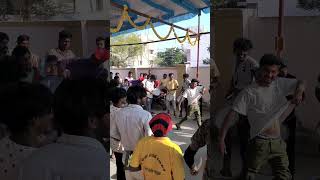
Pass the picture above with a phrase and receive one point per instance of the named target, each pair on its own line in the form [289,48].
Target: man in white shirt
[185,85]
[132,124]
[149,86]
[193,94]
[265,104]
[82,111]
[119,100]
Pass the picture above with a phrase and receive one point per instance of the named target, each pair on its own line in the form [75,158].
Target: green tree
[120,55]
[309,4]
[171,57]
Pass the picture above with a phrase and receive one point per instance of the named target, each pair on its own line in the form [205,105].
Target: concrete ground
[307,155]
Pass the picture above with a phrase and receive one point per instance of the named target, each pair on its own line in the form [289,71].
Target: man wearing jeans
[265,104]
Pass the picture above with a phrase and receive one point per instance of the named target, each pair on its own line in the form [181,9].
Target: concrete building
[72,10]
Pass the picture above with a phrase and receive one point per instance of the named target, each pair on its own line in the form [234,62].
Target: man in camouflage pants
[206,134]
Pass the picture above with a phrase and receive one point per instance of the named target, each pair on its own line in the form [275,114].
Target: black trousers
[185,106]
[120,167]
[243,127]
[290,123]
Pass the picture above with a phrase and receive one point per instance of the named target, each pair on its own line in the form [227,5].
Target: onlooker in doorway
[171,87]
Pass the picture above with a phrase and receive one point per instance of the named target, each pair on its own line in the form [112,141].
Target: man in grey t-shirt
[243,75]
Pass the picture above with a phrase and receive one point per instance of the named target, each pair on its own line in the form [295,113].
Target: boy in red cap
[157,156]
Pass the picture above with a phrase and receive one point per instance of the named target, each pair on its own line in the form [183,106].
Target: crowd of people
[54,112]
[166,92]
[262,98]
[55,116]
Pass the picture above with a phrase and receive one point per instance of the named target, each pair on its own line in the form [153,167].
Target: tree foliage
[120,55]
[171,57]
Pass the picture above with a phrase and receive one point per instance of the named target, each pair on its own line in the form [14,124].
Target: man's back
[132,123]
[72,157]
[159,158]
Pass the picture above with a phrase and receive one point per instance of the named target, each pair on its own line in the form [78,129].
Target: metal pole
[147,16]
[280,41]
[198,52]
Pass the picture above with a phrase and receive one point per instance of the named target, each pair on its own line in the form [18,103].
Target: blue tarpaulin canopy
[168,10]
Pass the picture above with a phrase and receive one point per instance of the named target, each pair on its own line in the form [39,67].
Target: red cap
[162,122]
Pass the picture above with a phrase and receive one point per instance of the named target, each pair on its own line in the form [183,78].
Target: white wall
[301,52]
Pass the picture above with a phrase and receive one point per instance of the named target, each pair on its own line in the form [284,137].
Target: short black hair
[100,39]
[129,72]
[170,74]
[134,93]
[242,44]
[4,36]
[185,75]
[22,38]
[76,101]
[21,102]
[20,51]
[117,73]
[153,77]
[194,80]
[64,35]
[116,77]
[165,74]
[117,94]
[51,59]
[269,60]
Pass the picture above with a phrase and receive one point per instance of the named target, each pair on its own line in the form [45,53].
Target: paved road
[308,159]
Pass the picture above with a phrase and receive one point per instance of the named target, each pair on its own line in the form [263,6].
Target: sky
[164,29]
